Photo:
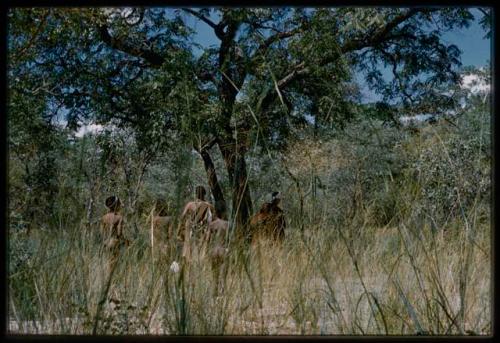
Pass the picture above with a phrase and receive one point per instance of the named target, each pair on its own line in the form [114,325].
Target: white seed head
[174,267]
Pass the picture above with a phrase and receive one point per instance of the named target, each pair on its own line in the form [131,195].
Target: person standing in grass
[161,221]
[195,217]
[162,237]
[112,229]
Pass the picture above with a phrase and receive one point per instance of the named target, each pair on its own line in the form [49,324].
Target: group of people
[198,228]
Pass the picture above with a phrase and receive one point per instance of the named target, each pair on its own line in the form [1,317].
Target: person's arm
[211,213]
[186,209]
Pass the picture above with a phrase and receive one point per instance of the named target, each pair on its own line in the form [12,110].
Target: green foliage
[454,173]
[172,89]
[277,94]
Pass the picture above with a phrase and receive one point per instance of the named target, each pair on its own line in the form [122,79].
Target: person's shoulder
[190,205]
[207,204]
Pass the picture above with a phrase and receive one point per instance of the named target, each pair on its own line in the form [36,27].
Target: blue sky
[476,50]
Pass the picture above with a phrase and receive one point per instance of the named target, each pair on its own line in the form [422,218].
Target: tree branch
[375,39]
[297,70]
[276,37]
[485,12]
[379,36]
[394,64]
[217,27]
[208,144]
[153,58]
[226,51]
[32,40]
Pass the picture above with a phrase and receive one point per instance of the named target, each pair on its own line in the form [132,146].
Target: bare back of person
[195,217]
[198,212]
[162,226]
[112,227]
[269,223]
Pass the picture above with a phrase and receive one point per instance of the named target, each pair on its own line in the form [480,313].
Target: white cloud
[415,119]
[88,129]
[475,84]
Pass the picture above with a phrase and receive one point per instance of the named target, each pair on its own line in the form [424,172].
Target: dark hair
[220,209]
[161,207]
[275,198]
[200,192]
[112,202]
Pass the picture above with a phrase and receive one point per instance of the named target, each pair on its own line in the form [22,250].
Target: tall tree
[270,72]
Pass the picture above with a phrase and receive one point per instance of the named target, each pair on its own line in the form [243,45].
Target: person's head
[200,192]
[161,207]
[220,209]
[113,203]
[275,198]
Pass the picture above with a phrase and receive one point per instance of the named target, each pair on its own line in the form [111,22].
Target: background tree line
[276,75]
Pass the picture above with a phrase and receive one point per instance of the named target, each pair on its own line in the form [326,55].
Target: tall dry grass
[327,280]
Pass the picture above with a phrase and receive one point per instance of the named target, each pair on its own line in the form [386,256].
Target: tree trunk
[234,159]
[213,182]
[241,191]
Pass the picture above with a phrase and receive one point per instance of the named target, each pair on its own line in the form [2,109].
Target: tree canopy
[272,72]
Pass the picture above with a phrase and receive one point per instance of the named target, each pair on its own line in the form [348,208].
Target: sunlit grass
[384,280]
